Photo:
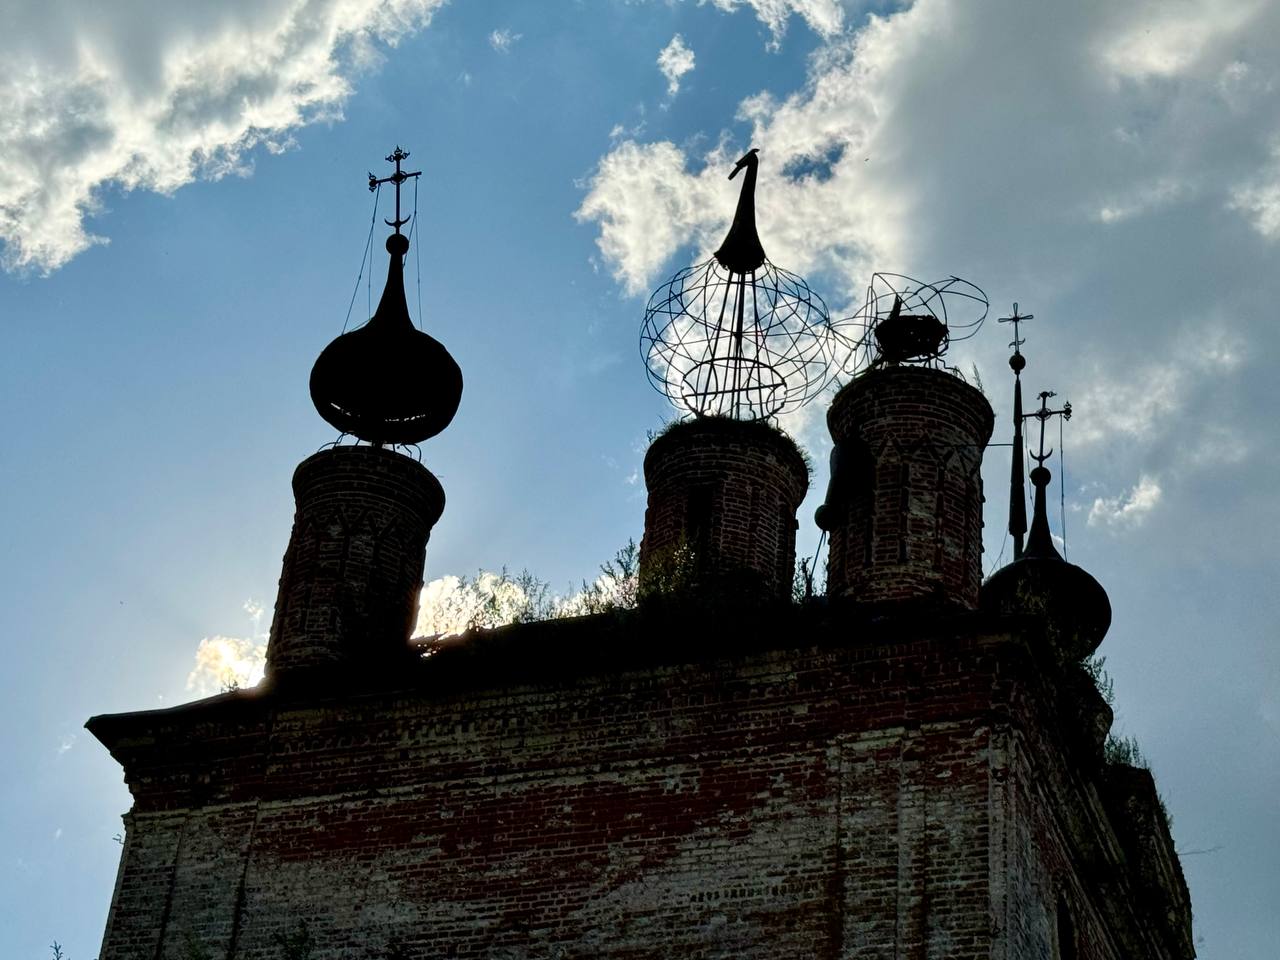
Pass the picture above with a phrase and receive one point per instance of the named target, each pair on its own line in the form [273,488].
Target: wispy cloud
[675,60]
[504,39]
[1129,509]
[824,17]
[151,98]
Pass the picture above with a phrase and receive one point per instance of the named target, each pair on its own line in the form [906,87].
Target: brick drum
[353,570]
[727,491]
[905,505]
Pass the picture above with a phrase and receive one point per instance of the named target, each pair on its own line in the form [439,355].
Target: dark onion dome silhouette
[735,335]
[388,382]
[1075,609]
[904,320]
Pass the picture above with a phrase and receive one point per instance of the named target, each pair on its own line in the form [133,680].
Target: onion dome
[736,336]
[388,382]
[1074,606]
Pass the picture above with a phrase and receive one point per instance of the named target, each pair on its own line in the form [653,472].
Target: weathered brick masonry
[650,784]
[906,521]
[716,774]
[353,570]
[726,491]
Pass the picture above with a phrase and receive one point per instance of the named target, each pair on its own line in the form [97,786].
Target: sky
[183,216]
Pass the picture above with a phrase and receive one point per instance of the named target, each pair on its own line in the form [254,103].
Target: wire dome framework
[735,335]
[905,320]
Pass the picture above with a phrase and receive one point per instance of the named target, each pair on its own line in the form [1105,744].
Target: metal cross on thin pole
[398,178]
[1016,319]
[1043,415]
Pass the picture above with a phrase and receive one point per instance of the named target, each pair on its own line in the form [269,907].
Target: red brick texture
[869,800]
[353,570]
[727,491]
[909,522]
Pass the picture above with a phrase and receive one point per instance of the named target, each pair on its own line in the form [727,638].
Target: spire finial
[736,335]
[1039,542]
[742,251]
[398,178]
[1017,489]
[1017,361]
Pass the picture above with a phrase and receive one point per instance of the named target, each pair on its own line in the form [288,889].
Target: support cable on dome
[417,256]
[364,261]
[1062,484]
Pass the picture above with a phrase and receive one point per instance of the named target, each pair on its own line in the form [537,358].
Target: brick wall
[727,491]
[353,569]
[845,798]
[904,509]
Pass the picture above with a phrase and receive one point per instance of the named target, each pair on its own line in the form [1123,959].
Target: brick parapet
[723,496]
[353,569]
[870,798]
[905,507]
[719,809]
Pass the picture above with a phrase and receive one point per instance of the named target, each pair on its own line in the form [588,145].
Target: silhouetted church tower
[911,769]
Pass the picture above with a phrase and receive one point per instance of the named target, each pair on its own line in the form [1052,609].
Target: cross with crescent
[399,177]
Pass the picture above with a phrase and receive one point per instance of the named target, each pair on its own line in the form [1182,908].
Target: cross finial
[1044,414]
[1015,320]
[399,177]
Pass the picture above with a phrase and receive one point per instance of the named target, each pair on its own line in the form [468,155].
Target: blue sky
[1117,171]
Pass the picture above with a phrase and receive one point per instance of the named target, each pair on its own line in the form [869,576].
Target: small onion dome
[1075,608]
[387,382]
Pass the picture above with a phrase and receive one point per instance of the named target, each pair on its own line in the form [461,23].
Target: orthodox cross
[1015,320]
[397,178]
[1044,414]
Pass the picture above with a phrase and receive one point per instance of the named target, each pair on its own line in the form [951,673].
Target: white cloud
[225,662]
[66,742]
[154,96]
[232,662]
[1143,199]
[675,60]
[451,605]
[1158,39]
[1148,399]
[908,120]
[1258,198]
[503,40]
[824,17]
[1126,510]
[1106,193]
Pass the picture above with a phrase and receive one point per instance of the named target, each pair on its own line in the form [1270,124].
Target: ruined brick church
[910,767]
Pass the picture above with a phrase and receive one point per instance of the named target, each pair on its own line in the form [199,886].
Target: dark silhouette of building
[912,768]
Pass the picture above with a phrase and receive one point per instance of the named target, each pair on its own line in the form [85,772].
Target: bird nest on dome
[735,335]
[904,320]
